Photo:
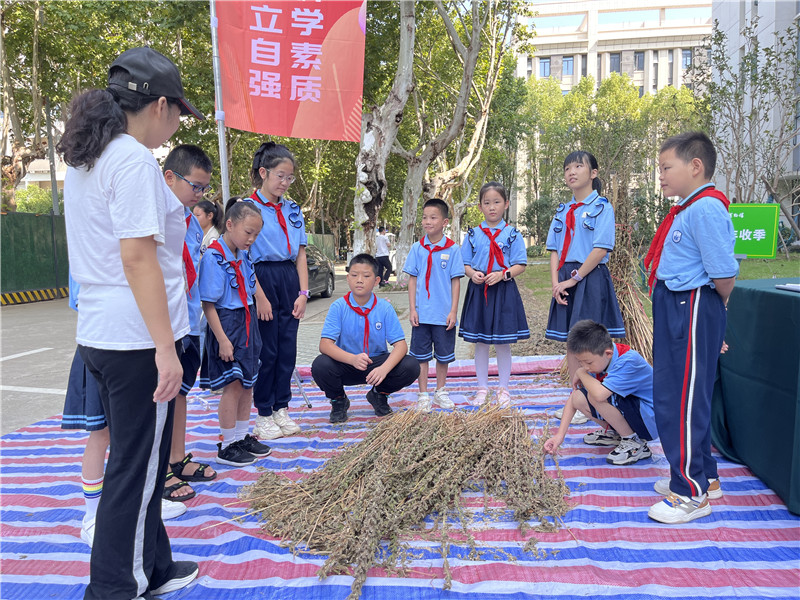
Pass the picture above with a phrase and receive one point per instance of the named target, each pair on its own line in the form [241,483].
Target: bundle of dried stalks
[364,505]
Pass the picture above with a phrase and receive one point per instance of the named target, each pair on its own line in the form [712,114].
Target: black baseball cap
[145,71]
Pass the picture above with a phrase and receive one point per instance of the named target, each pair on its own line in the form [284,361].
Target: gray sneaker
[629,451]
[602,437]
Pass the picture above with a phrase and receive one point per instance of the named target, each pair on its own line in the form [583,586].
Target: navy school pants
[688,331]
[131,552]
[331,375]
[281,285]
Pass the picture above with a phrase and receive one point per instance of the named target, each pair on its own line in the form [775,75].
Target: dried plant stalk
[365,504]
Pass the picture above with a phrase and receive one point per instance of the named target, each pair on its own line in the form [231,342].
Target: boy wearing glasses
[187,172]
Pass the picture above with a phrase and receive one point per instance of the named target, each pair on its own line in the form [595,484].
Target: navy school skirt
[498,318]
[216,373]
[593,298]
[83,408]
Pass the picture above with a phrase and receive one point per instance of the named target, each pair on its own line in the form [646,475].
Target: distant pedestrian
[493,313]
[125,232]
[435,269]
[382,245]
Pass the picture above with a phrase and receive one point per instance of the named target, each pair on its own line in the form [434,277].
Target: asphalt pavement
[38,343]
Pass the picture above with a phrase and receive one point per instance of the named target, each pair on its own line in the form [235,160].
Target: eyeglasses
[290,179]
[197,189]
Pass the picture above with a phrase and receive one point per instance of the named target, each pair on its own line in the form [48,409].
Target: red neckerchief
[657,245]
[188,263]
[281,218]
[236,264]
[431,249]
[570,224]
[621,349]
[364,312]
[495,254]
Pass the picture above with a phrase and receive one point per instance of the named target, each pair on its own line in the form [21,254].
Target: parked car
[321,274]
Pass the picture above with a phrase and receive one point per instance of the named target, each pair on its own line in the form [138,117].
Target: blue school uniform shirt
[475,251]
[194,241]
[218,278]
[631,375]
[447,265]
[698,246]
[594,228]
[346,327]
[271,242]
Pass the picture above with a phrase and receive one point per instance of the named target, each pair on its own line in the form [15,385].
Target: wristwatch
[305,293]
[507,275]
[575,275]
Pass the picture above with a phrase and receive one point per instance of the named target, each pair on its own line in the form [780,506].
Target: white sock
[228,436]
[482,364]
[242,429]
[92,489]
[503,352]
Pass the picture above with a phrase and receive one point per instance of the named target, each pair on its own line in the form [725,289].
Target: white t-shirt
[123,196]
[382,244]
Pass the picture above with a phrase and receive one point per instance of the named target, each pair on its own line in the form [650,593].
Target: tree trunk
[36,91]
[378,132]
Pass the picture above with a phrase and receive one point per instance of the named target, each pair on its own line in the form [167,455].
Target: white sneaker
[284,421]
[714,490]
[578,419]
[87,530]
[442,398]
[679,509]
[171,509]
[423,404]
[266,428]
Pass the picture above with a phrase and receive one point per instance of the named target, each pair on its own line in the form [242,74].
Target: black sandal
[169,489]
[198,475]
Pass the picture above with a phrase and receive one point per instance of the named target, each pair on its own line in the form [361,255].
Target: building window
[686,59]
[670,72]
[544,67]
[638,61]
[567,65]
[530,66]
[641,91]
[584,61]
[614,66]
[655,72]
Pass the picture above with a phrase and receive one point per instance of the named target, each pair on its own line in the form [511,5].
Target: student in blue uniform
[694,271]
[614,385]
[493,313]
[279,256]
[435,267]
[230,361]
[353,345]
[187,171]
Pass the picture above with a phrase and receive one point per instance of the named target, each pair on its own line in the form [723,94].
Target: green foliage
[35,199]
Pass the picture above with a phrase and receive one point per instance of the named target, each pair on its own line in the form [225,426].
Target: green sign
[756,227]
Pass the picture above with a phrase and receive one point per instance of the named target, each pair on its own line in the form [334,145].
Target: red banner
[293,68]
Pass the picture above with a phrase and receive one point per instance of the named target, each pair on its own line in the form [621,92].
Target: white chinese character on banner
[305,18]
[745,234]
[265,84]
[306,55]
[759,234]
[272,13]
[265,53]
[306,88]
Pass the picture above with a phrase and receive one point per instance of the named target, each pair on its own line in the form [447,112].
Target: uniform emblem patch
[378,326]
[676,236]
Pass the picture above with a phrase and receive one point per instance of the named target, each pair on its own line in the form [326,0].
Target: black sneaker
[234,455]
[380,402]
[253,446]
[185,573]
[339,409]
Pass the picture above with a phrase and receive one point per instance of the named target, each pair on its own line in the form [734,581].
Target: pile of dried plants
[365,505]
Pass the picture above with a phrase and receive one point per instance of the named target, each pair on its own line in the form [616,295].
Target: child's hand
[377,375]
[576,378]
[724,347]
[560,290]
[226,350]
[263,308]
[413,317]
[361,361]
[299,310]
[478,277]
[551,445]
[170,375]
[493,278]
[451,321]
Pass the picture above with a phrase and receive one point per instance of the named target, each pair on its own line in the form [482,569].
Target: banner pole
[220,113]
